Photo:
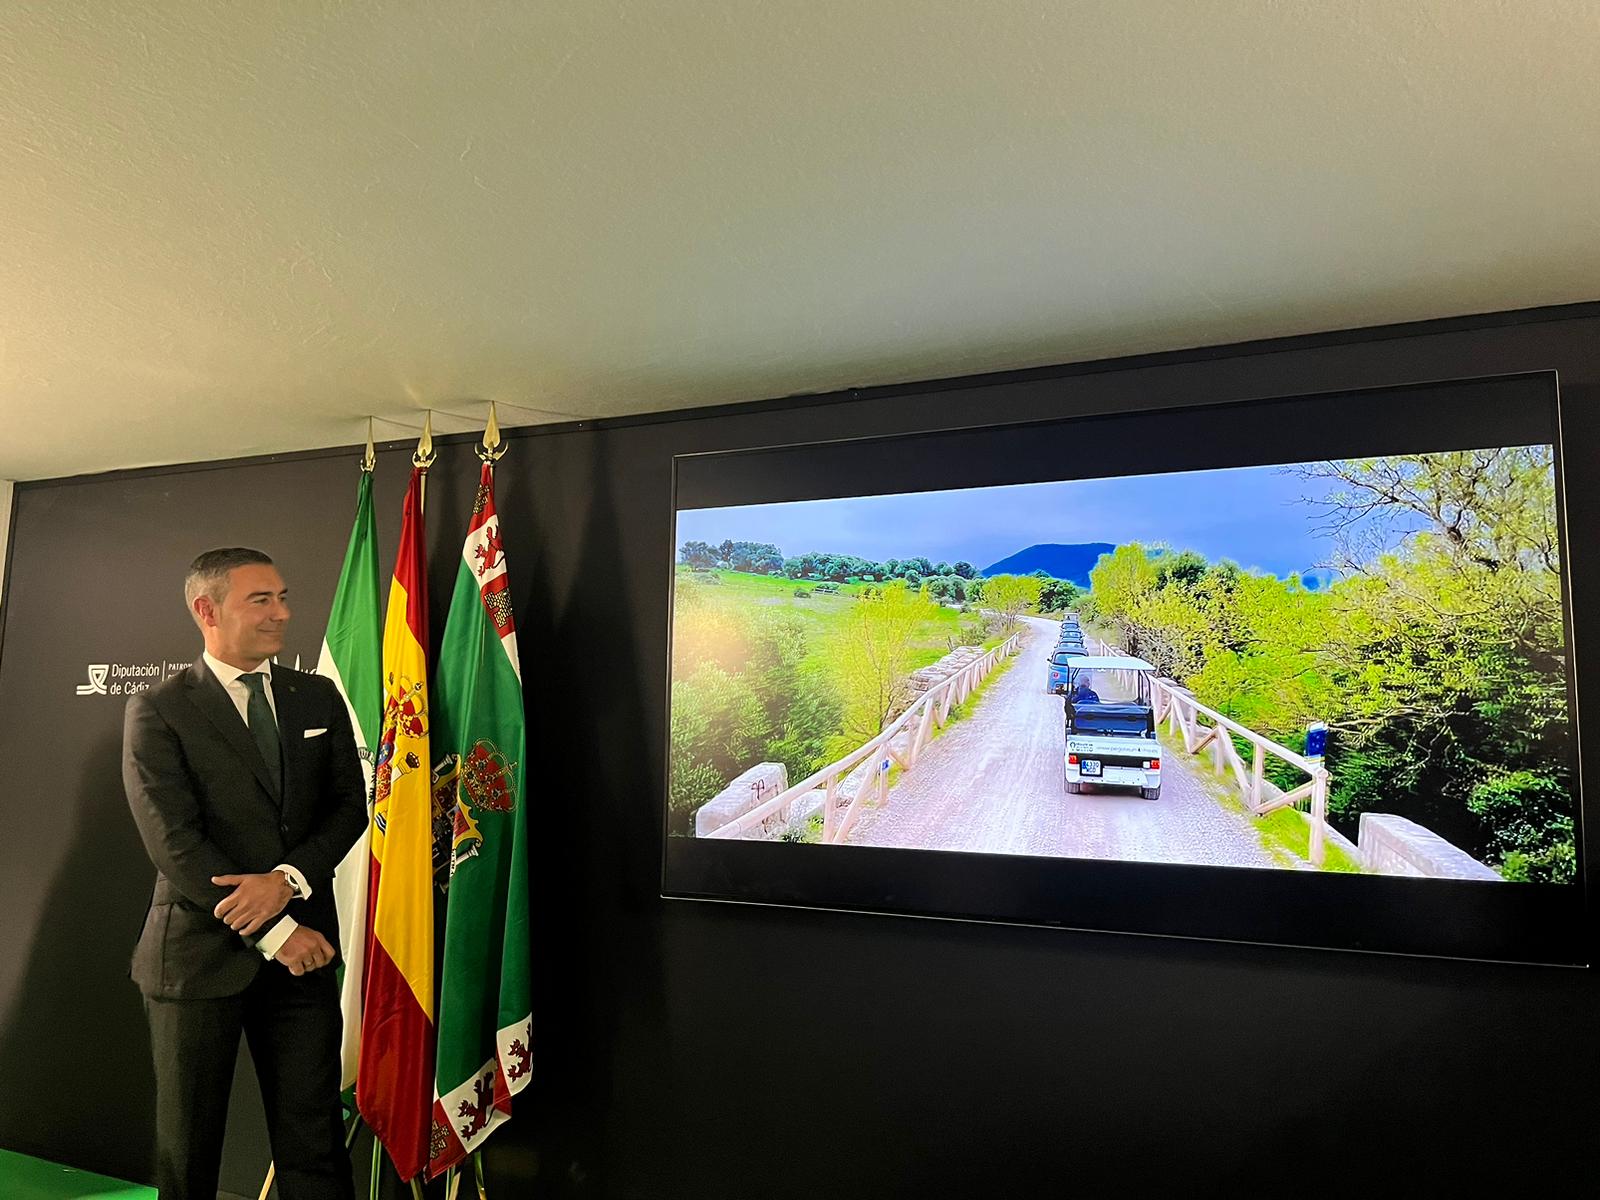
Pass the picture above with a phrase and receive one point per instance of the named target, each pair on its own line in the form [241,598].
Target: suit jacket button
[283,829]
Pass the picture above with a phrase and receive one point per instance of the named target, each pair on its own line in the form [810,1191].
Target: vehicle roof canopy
[1107,662]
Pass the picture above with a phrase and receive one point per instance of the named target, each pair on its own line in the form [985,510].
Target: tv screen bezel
[1522,922]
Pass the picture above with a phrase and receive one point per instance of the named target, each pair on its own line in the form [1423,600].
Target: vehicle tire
[1151,793]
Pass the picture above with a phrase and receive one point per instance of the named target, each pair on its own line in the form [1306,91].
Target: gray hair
[208,574]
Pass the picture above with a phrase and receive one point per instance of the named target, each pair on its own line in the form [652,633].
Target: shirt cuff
[294,874]
[270,942]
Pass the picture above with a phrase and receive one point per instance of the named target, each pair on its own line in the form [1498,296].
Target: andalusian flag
[485,1010]
[352,657]
[394,1085]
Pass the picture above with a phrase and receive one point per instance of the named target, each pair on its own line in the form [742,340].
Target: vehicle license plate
[1089,766]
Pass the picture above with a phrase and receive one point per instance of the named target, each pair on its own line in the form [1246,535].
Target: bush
[1532,829]
[718,724]
[826,587]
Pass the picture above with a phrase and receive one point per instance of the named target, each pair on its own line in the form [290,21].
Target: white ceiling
[230,229]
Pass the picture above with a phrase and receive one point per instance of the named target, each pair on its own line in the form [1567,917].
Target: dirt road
[992,783]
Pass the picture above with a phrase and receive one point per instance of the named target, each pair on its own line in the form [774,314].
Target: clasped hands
[254,901]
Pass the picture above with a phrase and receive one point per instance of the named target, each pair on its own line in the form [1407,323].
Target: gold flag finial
[492,448]
[423,457]
[370,458]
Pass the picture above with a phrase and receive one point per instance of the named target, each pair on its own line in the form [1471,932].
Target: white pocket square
[315,732]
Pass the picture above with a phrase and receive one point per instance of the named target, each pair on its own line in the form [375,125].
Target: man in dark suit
[245,785]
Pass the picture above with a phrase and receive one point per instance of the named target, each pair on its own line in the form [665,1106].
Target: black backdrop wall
[698,1050]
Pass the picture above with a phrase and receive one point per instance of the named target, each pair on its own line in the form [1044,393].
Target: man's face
[247,626]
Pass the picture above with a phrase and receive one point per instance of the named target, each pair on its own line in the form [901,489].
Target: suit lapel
[211,698]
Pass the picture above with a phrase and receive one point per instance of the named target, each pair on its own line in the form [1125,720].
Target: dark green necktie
[258,715]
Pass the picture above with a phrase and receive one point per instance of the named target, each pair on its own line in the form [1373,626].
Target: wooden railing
[1177,706]
[928,712]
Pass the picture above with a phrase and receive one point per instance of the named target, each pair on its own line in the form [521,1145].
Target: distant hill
[1059,562]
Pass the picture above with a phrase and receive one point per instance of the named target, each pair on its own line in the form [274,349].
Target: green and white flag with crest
[352,657]
[485,1010]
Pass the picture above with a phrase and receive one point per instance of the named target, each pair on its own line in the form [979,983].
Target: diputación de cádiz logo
[129,679]
[97,680]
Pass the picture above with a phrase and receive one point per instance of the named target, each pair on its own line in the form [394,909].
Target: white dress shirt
[270,942]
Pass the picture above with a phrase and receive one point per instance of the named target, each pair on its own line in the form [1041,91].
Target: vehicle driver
[1081,693]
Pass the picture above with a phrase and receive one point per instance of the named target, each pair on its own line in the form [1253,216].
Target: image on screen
[1353,666]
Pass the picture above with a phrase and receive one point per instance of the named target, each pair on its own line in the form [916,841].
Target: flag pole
[272,1167]
[422,459]
[480,673]
[370,459]
[491,451]
[492,448]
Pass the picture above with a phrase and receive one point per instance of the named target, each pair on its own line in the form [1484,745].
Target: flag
[352,658]
[394,1081]
[485,1009]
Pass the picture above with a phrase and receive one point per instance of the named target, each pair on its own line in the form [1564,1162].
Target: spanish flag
[394,1083]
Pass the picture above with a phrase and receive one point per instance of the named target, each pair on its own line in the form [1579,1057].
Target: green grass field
[822,612]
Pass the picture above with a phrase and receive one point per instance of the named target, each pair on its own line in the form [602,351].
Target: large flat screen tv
[1294,670]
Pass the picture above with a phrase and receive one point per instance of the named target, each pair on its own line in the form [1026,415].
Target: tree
[1185,569]
[1117,583]
[1119,579]
[1058,595]
[717,723]
[965,569]
[801,708]
[1011,595]
[759,558]
[705,632]
[697,554]
[1493,508]
[870,657]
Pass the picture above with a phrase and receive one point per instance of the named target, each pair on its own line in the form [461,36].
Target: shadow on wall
[77,1021]
[53,1049]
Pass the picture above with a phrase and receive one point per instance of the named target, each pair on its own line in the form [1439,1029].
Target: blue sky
[1251,515]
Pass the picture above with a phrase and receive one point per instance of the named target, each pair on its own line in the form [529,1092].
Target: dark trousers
[293,1027]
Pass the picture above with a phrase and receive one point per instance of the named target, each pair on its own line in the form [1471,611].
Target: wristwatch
[294,885]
